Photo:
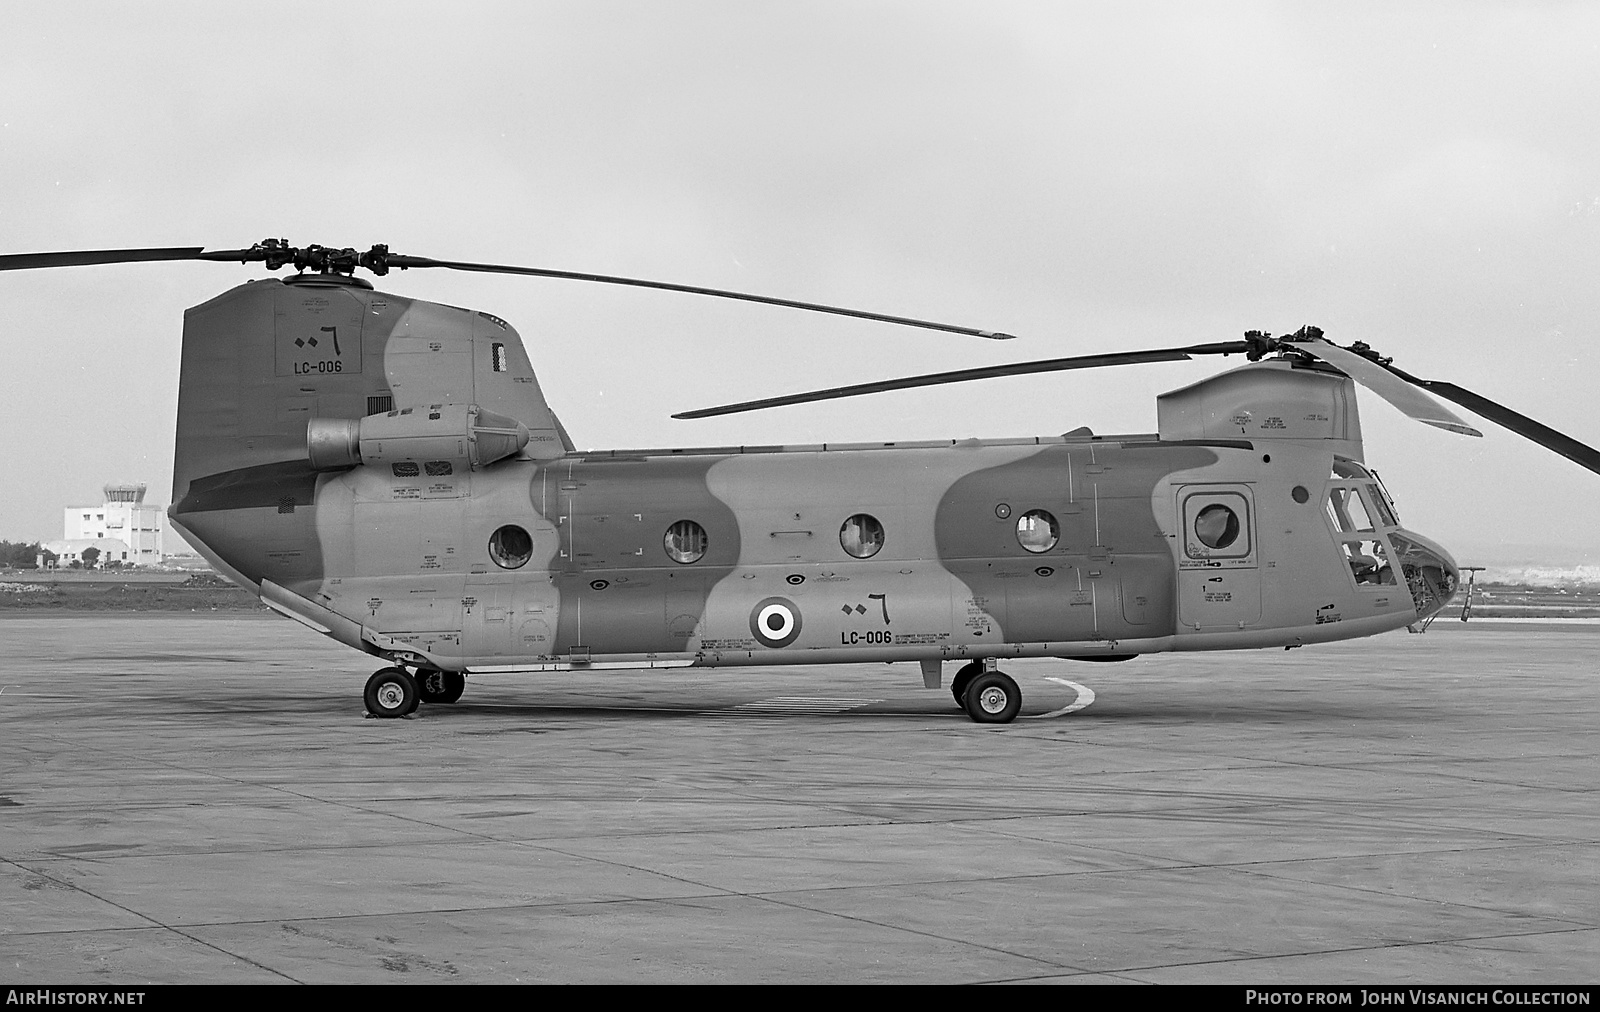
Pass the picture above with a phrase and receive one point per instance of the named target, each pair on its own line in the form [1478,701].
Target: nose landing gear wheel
[440,686]
[390,693]
[992,698]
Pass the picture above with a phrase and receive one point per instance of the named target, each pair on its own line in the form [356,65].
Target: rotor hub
[326,262]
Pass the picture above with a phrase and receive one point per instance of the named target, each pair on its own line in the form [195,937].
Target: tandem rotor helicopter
[387,472]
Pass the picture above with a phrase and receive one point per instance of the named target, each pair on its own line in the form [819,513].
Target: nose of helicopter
[1431,573]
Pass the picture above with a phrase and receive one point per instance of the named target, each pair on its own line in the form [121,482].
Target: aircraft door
[1219,578]
[487,617]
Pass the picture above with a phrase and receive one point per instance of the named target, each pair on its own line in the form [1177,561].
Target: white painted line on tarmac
[1085,697]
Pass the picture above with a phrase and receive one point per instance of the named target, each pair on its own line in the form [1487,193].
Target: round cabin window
[685,542]
[1037,531]
[510,547]
[861,536]
[1216,526]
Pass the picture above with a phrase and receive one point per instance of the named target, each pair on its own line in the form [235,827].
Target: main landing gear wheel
[964,677]
[440,686]
[390,693]
[992,698]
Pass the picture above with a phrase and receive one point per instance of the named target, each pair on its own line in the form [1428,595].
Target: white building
[123,517]
[71,550]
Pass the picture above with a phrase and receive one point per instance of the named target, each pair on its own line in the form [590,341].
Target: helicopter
[387,472]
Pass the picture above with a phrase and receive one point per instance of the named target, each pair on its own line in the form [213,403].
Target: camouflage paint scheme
[400,565]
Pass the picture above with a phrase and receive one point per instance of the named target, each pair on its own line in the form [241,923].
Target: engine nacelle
[1266,401]
[453,432]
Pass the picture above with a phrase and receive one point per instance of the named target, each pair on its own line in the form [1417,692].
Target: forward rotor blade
[406,262]
[1381,380]
[987,372]
[86,258]
[1581,454]
[1386,383]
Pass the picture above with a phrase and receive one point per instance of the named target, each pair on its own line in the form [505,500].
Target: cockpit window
[1363,547]
[1346,512]
[1380,506]
[1345,468]
[1369,563]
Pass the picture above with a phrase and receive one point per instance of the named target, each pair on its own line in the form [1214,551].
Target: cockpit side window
[1369,563]
[1364,549]
[1346,511]
[1380,506]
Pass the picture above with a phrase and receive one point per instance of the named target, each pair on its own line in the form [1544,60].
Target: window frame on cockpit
[1368,568]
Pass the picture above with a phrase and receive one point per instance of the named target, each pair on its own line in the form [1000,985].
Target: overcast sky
[1092,177]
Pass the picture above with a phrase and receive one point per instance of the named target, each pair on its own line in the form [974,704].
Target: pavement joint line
[306,797]
[1162,868]
[896,884]
[770,800]
[408,912]
[481,839]
[1403,766]
[1125,970]
[793,905]
[1309,860]
[1371,890]
[1445,774]
[1115,974]
[1499,838]
[1331,951]
[155,922]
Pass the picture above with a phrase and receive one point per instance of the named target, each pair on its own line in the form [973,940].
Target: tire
[440,686]
[390,693]
[992,698]
[963,678]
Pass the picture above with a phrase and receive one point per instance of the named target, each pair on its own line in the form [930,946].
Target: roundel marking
[775,621]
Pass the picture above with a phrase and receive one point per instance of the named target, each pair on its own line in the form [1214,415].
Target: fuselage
[387,471]
[1056,546]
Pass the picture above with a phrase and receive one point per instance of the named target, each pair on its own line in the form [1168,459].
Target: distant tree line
[19,555]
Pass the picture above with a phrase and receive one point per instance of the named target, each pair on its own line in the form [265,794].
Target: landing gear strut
[989,697]
[390,693]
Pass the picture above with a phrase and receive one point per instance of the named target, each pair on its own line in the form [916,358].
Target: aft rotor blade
[91,257]
[967,375]
[405,262]
[1386,383]
[86,258]
[1581,454]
